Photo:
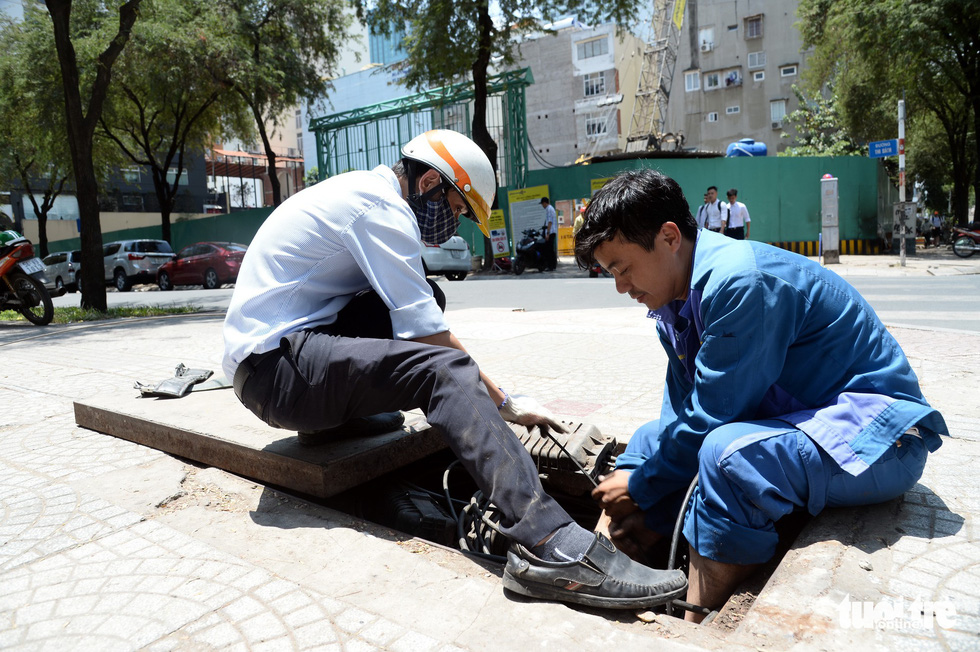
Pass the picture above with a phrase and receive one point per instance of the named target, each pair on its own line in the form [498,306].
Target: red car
[206,263]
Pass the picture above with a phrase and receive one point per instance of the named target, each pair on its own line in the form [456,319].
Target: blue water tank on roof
[746,147]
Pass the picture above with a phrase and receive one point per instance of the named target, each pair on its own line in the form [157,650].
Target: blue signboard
[882,148]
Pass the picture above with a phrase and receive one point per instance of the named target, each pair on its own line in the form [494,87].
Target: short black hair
[733,191]
[715,188]
[635,205]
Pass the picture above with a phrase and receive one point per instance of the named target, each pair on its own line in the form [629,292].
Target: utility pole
[901,173]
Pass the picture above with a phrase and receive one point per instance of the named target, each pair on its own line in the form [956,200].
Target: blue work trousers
[753,473]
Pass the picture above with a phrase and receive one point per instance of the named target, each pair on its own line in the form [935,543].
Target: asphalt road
[948,302]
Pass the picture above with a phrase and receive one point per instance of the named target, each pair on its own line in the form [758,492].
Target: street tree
[85,83]
[818,129]
[156,114]
[877,51]
[447,37]
[32,120]
[277,53]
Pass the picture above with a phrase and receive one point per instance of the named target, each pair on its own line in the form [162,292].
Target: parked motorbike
[22,280]
[966,242]
[531,252]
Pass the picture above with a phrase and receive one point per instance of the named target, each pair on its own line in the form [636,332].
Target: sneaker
[376,424]
[604,577]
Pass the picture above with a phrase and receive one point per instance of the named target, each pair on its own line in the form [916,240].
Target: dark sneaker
[376,424]
[604,577]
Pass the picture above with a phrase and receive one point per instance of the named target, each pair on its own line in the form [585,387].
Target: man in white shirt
[735,217]
[333,321]
[550,232]
[712,211]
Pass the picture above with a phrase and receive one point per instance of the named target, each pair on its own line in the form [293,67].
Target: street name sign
[883,148]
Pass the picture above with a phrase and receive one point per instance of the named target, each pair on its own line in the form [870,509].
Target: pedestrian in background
[712,211]
[735,217]
[702,212]
[550,230]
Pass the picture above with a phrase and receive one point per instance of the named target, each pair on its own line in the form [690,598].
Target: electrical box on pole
[829,220]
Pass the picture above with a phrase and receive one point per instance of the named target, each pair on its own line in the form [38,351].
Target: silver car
[451,258]
[62,268]
[134,261]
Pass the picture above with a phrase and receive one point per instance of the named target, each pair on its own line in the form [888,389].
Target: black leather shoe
[604,577]
[376,424]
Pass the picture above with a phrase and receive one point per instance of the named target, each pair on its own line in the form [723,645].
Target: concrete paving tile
[353,620]
[294,602]
[961,641]
[272,590]
[243,608]
[357,645]
[413,642]
[221,635]
[303,616]
[382,632]
[316,634]
[262,626]
[272,645]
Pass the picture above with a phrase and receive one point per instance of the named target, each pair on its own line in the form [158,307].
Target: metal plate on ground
[213,428]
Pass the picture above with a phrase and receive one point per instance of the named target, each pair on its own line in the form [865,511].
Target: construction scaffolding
[656,77]
[363,138]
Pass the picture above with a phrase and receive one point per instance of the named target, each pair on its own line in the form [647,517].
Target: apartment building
[736,65]
[581,101]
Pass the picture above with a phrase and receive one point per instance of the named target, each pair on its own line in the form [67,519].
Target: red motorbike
[22,280]
[966,241]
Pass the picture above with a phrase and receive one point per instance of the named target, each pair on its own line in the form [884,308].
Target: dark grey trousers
[324,377]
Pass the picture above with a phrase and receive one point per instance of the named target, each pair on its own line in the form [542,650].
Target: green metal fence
[363,138]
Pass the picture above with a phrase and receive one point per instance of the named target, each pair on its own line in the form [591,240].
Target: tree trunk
[165,199]
[481,135]
[42,235]
[80,145]
[81,128]
[273,177]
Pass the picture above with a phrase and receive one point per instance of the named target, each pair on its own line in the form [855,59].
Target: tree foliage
[157,114]
[275,53]
[876,51]
[818,128]
[32,123]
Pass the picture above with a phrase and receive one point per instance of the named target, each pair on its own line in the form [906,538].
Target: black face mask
[436,222]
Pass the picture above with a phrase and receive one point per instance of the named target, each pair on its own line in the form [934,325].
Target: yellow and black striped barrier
[847,247]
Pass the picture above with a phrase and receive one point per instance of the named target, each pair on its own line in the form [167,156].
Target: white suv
[134,261]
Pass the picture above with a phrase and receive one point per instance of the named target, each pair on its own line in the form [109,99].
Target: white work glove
[525,411]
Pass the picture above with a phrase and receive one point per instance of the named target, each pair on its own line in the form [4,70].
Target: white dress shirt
[316,251]
[713,212]
[550,220]
[736,214]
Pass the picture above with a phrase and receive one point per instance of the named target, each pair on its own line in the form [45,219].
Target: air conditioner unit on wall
[777,125]
[706,47]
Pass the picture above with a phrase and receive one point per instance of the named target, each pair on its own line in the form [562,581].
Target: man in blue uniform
[784,390]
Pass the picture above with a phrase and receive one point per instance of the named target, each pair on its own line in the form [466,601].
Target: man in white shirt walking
[735,217]
[712,211]
[333,322]
[550,232]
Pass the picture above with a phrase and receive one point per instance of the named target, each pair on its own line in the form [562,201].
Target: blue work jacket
[769,334]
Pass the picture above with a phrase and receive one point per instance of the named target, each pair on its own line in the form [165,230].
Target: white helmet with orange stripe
[462,164]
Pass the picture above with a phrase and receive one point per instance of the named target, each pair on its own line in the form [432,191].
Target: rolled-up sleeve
[385,242]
